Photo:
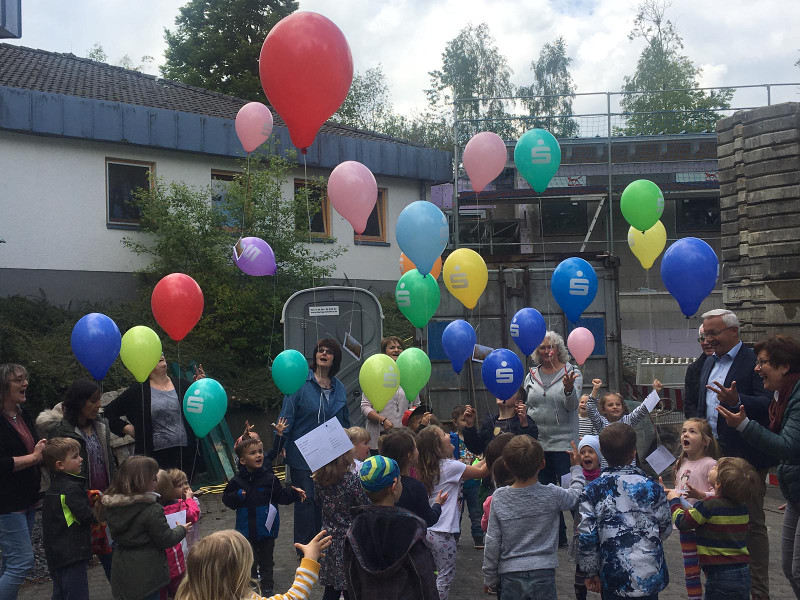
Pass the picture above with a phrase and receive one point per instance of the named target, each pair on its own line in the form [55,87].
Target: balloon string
[311,274]
[544,266]
[144,429]
[246,197]
[650,312]
[180,403]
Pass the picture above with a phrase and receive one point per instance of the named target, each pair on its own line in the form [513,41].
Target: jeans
[71,582]
[539,584]
[263,563]
[727,583]
[308,514]
[790,546]
[15,542]
[556,465]
[474,509]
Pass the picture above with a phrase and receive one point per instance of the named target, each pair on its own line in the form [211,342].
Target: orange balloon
[406,265]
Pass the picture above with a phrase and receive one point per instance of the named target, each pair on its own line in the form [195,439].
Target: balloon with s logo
[417,297]
[537,157]
[466,276]
[204,405]
[647,245]
[642,204]
[527,329]
[581,344]
[415,371]
[502,373]
[458,342]
[422,232]
[254,257]
[574,285]
[379,378]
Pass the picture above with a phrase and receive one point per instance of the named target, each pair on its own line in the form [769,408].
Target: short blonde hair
[736,479]
[358,435]
[167,482]
[218,567]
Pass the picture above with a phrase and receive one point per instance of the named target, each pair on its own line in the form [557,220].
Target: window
[375,231]
[220,180]
[314,214]
[123,179]
[563,217]
[697,214]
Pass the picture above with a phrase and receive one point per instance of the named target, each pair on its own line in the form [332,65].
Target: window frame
[228,176]
[578,231]
[381,205]
[681,225]
[119,222]
[325,210]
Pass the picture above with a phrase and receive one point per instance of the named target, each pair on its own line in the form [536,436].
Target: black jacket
[130,404]
[386,556]
[691,385]
[492,426]
[67,521]
[18,490]
[414,498]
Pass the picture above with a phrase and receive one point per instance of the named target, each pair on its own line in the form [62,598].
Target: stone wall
[759,176]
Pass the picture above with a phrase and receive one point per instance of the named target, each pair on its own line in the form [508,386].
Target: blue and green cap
[378,472]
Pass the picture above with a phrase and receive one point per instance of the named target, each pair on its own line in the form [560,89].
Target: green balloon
[289,371]
[537,157]
[417,297]
[642,204]
[415,371]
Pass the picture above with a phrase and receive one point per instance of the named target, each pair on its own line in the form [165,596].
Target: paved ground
[468,583]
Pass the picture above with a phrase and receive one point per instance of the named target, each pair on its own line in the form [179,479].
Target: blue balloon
[528,329]
[422,233]
[690,269]
[458,341]
[502,373]
[95,342]
[574,285]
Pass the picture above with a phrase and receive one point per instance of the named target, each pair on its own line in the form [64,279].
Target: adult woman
[553,391]
[778,364]
[156,422]
[321,398]
[379,422]
[20,455]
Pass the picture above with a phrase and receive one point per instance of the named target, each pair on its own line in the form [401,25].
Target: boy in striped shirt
[720,522]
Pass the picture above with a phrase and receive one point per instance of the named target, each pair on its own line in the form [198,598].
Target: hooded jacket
[139,528]
[66,521]
[386,556]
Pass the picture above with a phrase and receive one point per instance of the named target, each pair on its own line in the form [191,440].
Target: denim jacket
[306,409]
[624,520]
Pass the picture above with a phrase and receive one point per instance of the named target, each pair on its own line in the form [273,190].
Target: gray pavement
[468,582]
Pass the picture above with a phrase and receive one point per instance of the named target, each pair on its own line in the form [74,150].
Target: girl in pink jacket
[177,496]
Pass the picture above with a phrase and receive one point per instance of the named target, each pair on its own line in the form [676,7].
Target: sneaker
[492,590]
[478,543]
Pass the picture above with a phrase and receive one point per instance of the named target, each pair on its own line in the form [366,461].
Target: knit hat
[592,441]
[378,472]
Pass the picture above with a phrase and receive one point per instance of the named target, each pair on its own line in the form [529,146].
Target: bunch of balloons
[380,376]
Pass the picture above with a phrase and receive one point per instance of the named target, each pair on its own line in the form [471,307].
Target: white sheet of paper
[566,479]
[323,444]
[273,512]
[660,459]
[175,519]
[651,401]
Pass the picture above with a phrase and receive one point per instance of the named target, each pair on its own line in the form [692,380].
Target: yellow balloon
[465,275]
[140,351]
[648,245]
[379,378]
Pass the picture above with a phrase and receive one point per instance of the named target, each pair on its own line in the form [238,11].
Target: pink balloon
[253,125]
[353,192]
[581,344]
[484,158]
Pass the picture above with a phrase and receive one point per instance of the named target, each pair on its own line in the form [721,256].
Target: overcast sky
[736,42]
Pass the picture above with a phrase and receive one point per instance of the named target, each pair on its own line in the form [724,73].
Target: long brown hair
[135,476]
[430,450]
[712,447]
[332,473]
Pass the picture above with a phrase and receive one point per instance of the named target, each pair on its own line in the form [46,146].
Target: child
[439,472]
[501,477]
[522,538]
[385,552]
[585,426]
[471,487]
[400,446]
[591,457]
[512,416]
[624,520]
[698,456]
[254,493]
[338,490]
[176,496]
[419,418]
[66,520]
[494,450]
[611,407]
[359,437]
[139,529]
[218,567]
[720,523]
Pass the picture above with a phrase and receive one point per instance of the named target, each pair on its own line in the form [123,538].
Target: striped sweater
[304,580]
[721,528]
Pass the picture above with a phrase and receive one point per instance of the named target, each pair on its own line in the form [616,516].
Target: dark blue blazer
[752,396]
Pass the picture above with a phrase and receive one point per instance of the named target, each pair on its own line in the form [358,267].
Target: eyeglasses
[701,339]
[19,379]
[712,333]
[760,363]
[325,351]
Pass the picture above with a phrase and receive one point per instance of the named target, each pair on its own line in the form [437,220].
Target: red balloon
[177,304]
[306,70]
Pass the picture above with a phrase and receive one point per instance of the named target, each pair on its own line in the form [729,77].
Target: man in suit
[728,378]
[691,383]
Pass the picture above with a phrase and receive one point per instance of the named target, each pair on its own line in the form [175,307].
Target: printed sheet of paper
[273,512]
[324,444]
[651,401]
[175,519]
[566,479]
[660,459]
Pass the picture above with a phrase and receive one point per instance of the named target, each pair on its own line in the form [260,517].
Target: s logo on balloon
[579,286]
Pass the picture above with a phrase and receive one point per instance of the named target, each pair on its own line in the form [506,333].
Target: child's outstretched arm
[640,412]
[598,420]
[588,540]
[479,471]
[308,571]
[572,494]
[233,496]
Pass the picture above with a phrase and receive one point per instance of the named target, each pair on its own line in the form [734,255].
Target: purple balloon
[254,256]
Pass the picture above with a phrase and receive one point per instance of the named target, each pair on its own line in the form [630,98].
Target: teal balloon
[417,297]
[204,405]
[289,371]
[537,157]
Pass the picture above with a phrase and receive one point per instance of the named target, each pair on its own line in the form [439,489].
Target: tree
[98,53]
[368,105]
[661,66]
[551,77]
[216,44]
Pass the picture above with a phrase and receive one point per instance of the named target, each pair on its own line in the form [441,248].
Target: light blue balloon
[690,269]
[204,405]
[574,285]
[537,157]
[527,329]
[458,341]
[502,373]
[422,233]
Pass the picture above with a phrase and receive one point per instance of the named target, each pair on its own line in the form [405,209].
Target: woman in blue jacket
[321,398]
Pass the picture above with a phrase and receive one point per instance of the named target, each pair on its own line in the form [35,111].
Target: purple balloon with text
[254,257]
